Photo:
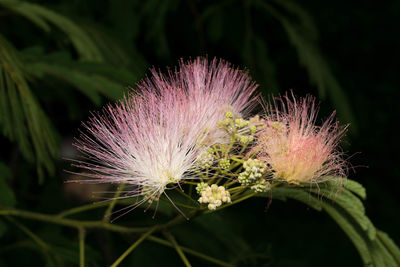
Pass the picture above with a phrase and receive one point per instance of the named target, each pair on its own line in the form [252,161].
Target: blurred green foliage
[61,59]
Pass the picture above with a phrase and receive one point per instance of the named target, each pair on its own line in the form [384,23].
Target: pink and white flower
[212,88]
[295,149]
[152,139]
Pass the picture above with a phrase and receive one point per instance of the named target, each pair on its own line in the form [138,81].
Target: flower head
[211,88]
[154,138]
[144,142]
[295,149]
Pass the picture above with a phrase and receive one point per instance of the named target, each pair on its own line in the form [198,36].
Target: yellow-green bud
[224,164]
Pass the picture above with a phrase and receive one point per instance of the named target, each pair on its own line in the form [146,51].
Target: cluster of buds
[214,195]
[201,187]
[252,175]
[206,160]
[224,164]
[227,124]
[261,185]
[242,130]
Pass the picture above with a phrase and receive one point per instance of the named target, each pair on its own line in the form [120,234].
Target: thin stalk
[177,248]
[179,204]
[233,189]
[71,223]
[237,160]
[133,246]
[81,247]
[29,233]
[238,192]
[190,189]
[107,213]
[191,183]
[82,208]
[229,147]
[187,196]
[189,251]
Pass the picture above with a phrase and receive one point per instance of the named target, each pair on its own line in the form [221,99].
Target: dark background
[343,52]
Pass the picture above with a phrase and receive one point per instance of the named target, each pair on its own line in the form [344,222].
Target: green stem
[229,147]
[81,247]
[227,184]
[187,196]
[29,233]
[133,246]
[189,251]
[238,191]
[178,249]
[191,183]
[107,213]
[71,223]
[237,160]
[82,208]
[233,189]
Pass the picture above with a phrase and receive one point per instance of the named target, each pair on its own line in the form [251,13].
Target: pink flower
[152,139]
[212,88]
[295,149]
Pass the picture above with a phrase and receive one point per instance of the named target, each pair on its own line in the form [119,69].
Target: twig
[133,246]
[189,251]
[177,248]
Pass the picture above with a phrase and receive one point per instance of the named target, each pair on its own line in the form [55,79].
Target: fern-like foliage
[21,117]
[343,204]
[42,16]
[302,33]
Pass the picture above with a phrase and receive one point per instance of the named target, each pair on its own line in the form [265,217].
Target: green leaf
[375,247]
[294,193]
[355,187]
[24,122]
[351,231]
[351,204]
[41,16]
[387,257]
[304,18]
[317,67]
[389,245]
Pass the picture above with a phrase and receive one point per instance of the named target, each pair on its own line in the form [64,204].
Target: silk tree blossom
[295,149]
[212,88]
[145,141]
[153,138]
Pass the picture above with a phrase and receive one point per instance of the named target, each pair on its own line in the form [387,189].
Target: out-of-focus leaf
[317,67]
[307,23]
[41,16]
[266,72]
[3,228]
[375,247]
[352,205]
[22,118]
[7,197]
[351,232]
[89,84]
